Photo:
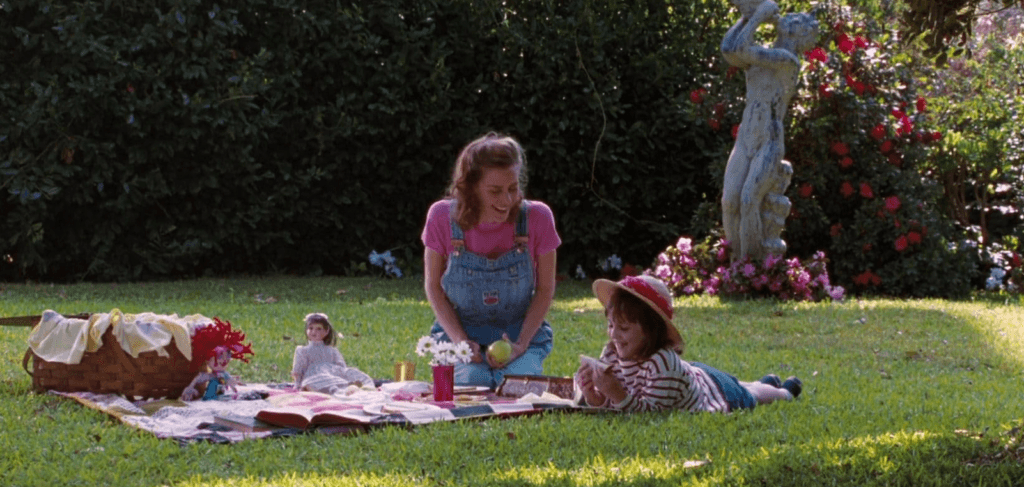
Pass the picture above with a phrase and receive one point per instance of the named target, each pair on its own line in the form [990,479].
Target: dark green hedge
[168,139]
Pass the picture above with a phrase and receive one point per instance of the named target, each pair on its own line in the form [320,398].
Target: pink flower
[892,203]
[759,281]
[771,260]
[865,190]
[684,245]
[749,269]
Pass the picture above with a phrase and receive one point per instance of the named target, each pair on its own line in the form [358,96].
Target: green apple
[500,351]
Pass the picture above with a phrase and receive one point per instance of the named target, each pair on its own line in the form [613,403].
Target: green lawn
[921,392]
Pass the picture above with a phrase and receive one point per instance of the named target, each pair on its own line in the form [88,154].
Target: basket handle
[24,361]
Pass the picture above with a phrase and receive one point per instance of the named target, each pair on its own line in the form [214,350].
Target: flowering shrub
[856,136]
[1006,273]
[442,352]
[689,269]
[387,262]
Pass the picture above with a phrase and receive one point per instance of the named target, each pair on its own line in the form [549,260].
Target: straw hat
[651,291]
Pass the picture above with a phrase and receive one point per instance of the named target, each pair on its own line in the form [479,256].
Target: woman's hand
[517,350]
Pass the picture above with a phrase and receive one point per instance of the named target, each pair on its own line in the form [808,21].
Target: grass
[922,392]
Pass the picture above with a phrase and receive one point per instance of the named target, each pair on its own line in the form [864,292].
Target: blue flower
[180,16]
[580,274]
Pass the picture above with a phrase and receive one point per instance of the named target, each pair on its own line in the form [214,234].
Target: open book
[304,417]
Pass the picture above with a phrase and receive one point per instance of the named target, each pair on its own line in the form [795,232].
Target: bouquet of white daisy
[444,353]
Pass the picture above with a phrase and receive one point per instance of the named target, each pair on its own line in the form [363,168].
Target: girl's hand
[608,385]
[585,374]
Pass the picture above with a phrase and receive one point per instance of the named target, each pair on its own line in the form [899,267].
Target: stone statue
[754,205]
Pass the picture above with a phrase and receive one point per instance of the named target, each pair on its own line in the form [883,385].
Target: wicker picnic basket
[112,370]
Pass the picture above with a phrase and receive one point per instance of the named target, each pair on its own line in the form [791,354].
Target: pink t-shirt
[491,239]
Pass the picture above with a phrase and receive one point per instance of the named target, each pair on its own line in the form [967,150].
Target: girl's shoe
[793,385]
[772,380]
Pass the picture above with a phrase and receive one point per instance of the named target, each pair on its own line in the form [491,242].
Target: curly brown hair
[491,151]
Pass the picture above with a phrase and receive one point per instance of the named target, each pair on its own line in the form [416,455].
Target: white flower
[444,353]
[463,353]
[427,344]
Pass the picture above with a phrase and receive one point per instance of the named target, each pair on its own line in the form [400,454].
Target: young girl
[489,262]
[319,365]
[644,370]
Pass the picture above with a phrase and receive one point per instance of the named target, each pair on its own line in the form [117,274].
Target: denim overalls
[490,298]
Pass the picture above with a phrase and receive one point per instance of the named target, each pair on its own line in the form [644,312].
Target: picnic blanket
[348,412]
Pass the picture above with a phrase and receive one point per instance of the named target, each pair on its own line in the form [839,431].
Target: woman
[489,262]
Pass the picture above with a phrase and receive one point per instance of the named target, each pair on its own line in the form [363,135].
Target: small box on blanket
[521,385]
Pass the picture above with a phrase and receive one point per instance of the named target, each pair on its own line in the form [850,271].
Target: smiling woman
[489,262]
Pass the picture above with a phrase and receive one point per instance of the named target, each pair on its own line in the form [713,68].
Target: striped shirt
[663,381]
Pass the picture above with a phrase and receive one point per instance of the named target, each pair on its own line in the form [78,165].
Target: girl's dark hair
[625,307]
[491,151]
[321,319]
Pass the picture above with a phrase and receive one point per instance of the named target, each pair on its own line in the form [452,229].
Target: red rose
[895,159]
[735,130]
[805,190]
[878,132]
[901,243]
[865,190]
[846,189]
[921,104]
[840,148]
[817,54]
[845,162]
[936,136]
[892,203]
[886,146]
[845,44]
[825,90]
[697,96]
[914,238]
[715,124]
[1015,262]
[861,42]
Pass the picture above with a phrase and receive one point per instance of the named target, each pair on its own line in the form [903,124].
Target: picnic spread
[138,367]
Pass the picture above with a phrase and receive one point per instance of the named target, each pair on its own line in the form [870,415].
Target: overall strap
[522,226]
[458,238]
